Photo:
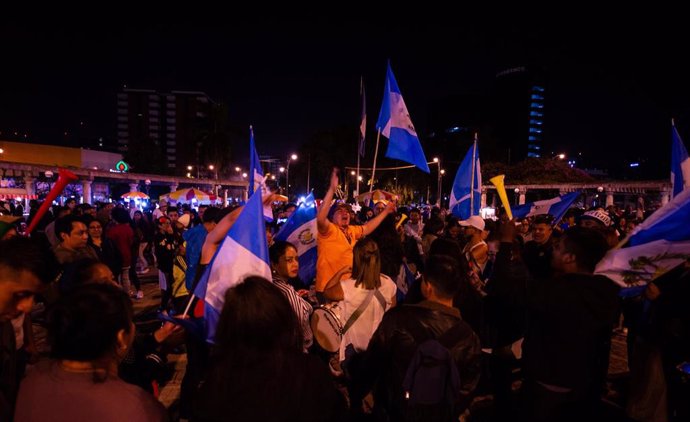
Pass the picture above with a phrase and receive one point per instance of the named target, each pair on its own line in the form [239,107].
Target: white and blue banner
[300,230]
[466,196]
[656,246]
[395,124]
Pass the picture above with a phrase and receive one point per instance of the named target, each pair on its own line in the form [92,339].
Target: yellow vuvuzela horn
[501,189]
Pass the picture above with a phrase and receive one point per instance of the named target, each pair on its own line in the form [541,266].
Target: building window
[533,155]
[536,105]
[536,114]
[122,103]
[537,97]
[535,122]
[534,130]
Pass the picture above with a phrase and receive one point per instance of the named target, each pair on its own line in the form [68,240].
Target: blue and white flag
[243,253]
[300,230]
[680,163]
[257,181]
[464,204]
[256,173]
[362,120]
[396,125]
[557,207]
[656,246]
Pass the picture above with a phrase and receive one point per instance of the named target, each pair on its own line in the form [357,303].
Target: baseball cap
[184,220]
[598,215]
[474,221]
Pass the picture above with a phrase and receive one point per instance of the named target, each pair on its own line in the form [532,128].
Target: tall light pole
[438,197]
[292,157]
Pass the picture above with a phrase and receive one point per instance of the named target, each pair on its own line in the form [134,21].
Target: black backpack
[432,381]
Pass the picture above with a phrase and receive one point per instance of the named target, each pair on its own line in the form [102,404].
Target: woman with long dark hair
[259,372]
[90,331]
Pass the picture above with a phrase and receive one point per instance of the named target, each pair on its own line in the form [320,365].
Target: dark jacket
[264,387]
[504,303]
[8,371]
[392,347]
[538,258]
[570,319]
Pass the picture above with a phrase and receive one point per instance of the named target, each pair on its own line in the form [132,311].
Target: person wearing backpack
[423,361]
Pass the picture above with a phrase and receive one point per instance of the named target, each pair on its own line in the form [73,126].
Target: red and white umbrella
[189,194]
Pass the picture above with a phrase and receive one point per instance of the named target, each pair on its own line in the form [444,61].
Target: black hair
[24,254]
[83,325]
[83,271]
[433,226]
[443,272]
[257,319]
[445,246]
[588,245]
[278,249]
[120,215]
[210,215]
[66,224]
[222,213]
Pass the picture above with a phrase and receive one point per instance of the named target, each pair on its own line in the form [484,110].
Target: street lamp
[213,169]
[287,174]
[440,172]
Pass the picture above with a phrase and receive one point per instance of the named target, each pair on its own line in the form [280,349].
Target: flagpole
[357,174]
[474,164]
[376,154]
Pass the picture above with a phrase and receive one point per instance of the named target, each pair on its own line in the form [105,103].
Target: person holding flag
[336,238]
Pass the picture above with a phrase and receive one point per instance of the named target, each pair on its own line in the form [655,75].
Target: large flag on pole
[656,246]
[300,230]
[256,173]
[680,163]
[257,181]
[243,253]
[395,124]
[466,195]
[557,207]
[362,120]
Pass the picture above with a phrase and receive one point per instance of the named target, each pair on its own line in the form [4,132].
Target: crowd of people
[414,314]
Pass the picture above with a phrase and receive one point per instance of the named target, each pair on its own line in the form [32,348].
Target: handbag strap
[362,307]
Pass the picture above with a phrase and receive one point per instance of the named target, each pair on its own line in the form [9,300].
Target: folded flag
[557,207]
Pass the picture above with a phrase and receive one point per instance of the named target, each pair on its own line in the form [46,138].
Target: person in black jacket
[393,345]
[570,320]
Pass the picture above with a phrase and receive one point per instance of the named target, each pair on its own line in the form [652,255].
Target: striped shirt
[301,307]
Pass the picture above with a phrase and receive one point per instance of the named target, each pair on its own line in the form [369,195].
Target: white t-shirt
[361,331]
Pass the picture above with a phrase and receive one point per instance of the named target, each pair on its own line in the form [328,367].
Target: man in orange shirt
[336,238]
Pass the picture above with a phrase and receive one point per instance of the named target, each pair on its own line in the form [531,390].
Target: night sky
[613,83]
